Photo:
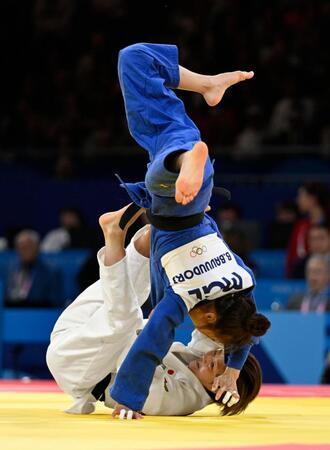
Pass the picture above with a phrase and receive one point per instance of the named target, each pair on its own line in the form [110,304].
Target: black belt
[98,391]
[174,223]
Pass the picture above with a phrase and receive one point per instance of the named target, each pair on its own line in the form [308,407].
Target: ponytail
[257,324]
[238,320]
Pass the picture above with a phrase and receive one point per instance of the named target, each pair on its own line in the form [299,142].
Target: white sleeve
[200,343]
[117,291]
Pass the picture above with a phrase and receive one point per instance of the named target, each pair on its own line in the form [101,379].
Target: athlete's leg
[190,165]
[158,121]
[137,253]
[95,329]
[156,117]
[212,87]
[133,262]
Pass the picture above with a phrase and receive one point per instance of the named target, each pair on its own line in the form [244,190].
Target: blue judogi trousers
[157,120]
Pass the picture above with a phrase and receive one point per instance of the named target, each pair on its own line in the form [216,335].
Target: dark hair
[322,226]
[288,205]
[73,210]
[238,320]
[319,191]
[248,385]
[232,206]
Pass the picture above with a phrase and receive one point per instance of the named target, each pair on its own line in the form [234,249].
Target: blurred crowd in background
[300,229]
[61,104]
[62,92]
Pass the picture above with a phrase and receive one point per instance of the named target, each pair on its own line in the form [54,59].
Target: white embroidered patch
[204,269]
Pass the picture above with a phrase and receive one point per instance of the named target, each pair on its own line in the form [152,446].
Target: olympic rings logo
[197,251]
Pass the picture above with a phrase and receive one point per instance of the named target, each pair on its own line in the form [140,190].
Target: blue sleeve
[237,358]
[135,375]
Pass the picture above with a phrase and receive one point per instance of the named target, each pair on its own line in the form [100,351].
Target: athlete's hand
[226,383]
[125,413]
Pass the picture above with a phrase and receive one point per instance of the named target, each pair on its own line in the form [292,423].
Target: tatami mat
[33,420]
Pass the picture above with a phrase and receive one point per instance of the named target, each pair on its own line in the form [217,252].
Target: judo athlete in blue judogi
[190,262]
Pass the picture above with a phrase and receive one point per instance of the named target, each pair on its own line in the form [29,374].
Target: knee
[128,54]
[55,352]
[51,357]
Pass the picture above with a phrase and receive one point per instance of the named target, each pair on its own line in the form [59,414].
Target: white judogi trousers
[93,335]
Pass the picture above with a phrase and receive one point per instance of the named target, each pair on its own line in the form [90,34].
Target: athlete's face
[203,317]
[209,366]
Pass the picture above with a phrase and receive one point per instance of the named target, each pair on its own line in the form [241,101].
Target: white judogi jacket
[93,335]
[175,390]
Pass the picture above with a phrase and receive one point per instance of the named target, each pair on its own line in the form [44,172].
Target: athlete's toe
[187,199]
[178,196]
[244,75]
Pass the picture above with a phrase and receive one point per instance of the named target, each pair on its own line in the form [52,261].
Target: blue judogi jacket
[136,372]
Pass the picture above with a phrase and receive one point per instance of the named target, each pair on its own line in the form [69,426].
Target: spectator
[12,231]
[238,242]
[280,229]
[63,87]
[291,116]
[318,241]
[3,243]
[228,216]
[229,219]
[313,203]
[72,233]
[31,282]
[317,296]
[250,139]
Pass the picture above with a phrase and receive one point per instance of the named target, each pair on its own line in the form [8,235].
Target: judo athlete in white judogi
[93,335]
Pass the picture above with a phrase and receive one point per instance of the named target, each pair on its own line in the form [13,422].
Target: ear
[211,317]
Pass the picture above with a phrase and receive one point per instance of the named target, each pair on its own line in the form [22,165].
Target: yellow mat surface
[30,421]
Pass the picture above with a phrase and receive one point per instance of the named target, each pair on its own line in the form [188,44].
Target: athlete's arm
[237,358]
[135,375]
[226,383]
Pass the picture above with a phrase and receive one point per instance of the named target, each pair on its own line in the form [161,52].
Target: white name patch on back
[204,269]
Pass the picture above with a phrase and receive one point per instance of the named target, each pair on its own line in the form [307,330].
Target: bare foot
[115,232]
[109,222]
[220,83]
[191,174]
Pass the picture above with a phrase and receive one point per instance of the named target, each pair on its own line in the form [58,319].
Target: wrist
[234,373]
